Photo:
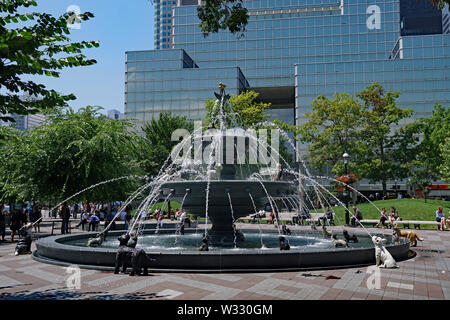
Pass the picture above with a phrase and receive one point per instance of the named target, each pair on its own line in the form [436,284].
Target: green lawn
[408,209]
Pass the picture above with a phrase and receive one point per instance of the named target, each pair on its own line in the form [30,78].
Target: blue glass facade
[294,50]
[163,23]
[169,80]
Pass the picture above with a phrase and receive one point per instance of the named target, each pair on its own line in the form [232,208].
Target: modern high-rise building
[114,114]
[23,123]
[163,23]
[293,51]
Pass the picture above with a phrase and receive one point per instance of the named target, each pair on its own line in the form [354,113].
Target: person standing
[15,223]
[2,223]
[84,218]
[75,210]
[65,216]
[35,218]
[128,217]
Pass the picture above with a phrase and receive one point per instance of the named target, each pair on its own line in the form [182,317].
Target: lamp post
[346,156]
[396,190]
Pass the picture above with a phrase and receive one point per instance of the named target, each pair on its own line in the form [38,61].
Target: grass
[408,209]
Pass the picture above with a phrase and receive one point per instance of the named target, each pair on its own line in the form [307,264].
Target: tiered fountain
[222,192]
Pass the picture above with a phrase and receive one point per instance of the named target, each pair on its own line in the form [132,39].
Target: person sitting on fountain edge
[327,216]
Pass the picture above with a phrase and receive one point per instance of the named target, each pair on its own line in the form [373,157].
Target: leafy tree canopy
[218,15]
[245,107]
[70,152]
[35,44]
[156,144]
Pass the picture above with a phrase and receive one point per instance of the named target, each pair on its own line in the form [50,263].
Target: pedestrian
[110,219]
[35,218]
[2,223]
[75,210]
[128,217]
[357,215]
[65,218]
[15,222]
[84,219]
[440,217]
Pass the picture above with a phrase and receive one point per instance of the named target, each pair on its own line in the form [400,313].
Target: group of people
[390,217]
[17,218]
[444,224]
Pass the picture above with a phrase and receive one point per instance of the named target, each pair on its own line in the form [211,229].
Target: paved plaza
[424,277]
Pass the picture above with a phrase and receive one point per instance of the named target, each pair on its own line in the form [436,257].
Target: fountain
[224,185]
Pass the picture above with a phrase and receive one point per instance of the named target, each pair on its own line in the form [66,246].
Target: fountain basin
[58,250]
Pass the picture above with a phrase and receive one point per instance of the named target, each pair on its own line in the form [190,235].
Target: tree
[39,48]
[380,121]
[218,15]
[426,146]
[445,166]
[246,106]
[247,111]
[9,136]
[333,129]
[70,152]
[156,144]
[440,3]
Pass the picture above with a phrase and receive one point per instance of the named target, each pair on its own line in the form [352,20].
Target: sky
[119,26]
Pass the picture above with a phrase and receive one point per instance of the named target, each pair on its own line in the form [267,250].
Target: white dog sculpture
[383,257]
[215,173]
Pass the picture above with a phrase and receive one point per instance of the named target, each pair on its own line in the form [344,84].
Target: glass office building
[163,23]
[294,50]
[169,80]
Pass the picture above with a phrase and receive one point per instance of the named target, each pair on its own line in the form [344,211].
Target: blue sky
[119,26]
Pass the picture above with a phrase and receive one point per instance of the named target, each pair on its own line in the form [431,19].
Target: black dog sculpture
[123,254]
[24,244]
[139,259]
[128,255]
[204,246]
[347,237]
[284,243]
[285,230]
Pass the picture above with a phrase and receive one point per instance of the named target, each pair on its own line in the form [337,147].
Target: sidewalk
[425,277]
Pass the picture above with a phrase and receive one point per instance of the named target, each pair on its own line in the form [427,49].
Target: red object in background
[438,187]
[348,179]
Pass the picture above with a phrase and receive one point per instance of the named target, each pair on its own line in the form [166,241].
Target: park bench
[404,223]
[290,218]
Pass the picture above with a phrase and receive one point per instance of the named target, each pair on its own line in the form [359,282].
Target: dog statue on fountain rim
[338,243]
[128,255]
[215,173]
[349,238]
[326,233]
[284,243]
[96,242]
[382,256]
[285,230]
[24,244]
[412,236]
